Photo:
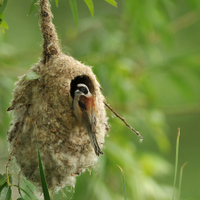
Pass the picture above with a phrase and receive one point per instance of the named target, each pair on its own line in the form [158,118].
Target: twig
[16,139]
[136,132]
[97,173]
[19,184]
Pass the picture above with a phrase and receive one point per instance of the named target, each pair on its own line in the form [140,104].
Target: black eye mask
[83,89]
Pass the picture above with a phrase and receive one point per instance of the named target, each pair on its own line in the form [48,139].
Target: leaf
[112,2]
[23,191]
[4,26]
[74,9]
[2,179]
[32,7]
[3,6]
[43,179]
[6,193]
[20,199]
[31,75]
[3,23]
[29,190]
[90,5]
[124,184]
[1,18]
[1,187]
[57,2]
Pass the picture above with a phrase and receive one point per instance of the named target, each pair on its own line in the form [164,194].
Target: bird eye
[83,89]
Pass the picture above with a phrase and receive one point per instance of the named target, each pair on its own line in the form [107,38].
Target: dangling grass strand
[124,184]
[180,180]
[176,164]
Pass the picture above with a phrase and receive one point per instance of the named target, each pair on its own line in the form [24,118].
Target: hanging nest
[42,113]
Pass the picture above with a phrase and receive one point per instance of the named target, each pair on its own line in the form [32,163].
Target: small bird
[84,110]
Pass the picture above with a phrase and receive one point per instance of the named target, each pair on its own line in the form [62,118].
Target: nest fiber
[42,111]
[43,115]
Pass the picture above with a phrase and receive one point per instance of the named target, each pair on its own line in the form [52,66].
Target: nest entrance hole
[81,79]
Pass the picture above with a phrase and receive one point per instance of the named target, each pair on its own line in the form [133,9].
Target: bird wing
[87,105]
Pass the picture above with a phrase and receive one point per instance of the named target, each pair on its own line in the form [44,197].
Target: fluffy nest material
[42,111]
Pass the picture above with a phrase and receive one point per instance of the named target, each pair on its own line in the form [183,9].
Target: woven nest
[42,112]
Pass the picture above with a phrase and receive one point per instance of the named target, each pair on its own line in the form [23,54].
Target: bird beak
[77,91]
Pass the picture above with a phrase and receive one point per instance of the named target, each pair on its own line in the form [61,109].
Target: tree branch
[136,132]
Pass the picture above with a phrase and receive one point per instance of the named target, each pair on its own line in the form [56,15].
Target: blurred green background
[146,55]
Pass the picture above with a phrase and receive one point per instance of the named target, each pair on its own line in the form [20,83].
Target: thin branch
[136,132]
[19,184]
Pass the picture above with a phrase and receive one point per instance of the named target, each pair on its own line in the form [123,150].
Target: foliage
[3,6]
[146,56]
[43,179]
[73,6]
[3,24]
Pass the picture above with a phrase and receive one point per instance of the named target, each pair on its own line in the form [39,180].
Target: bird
[85,112]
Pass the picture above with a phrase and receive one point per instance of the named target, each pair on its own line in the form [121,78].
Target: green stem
[176,163]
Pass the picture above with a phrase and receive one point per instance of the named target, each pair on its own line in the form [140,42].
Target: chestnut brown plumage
[85,112]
